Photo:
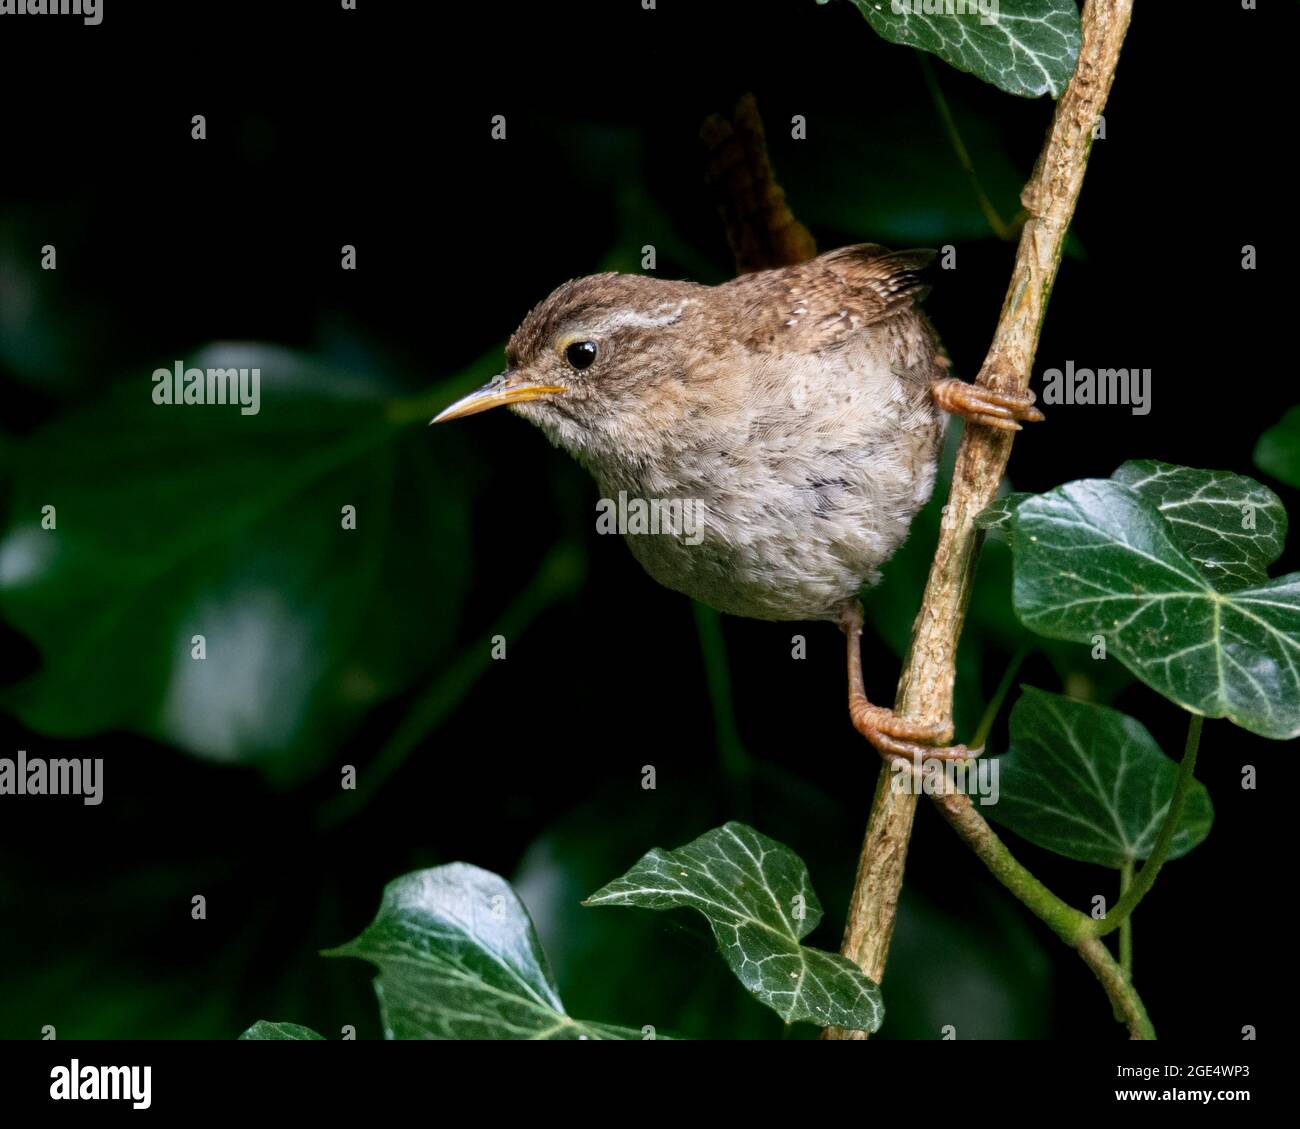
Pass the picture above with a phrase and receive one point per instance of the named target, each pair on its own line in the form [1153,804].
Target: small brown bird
[794,414]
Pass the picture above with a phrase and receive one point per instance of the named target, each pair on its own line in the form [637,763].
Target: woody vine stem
[925,689]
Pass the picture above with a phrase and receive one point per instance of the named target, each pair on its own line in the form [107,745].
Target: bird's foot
[896,737]
[984,405]
[892,736]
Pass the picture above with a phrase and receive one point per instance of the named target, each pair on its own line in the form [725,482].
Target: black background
[372,127]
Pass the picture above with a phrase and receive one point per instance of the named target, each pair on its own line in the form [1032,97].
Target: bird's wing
[822,302]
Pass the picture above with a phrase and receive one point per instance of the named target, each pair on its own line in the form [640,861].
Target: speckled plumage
[793,405]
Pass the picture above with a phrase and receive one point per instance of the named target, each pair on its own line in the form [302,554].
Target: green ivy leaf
[997,517]
[1096,558]
[1025,47]
[1230,525]
[1278,450]
[1090,783]
[458,958]
[280,1032]
[757,897]
[177,521]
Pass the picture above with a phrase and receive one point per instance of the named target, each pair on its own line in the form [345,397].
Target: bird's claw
[988,406]
[895,737]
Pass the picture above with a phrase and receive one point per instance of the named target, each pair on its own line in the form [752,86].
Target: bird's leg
[891,735]
[984,405]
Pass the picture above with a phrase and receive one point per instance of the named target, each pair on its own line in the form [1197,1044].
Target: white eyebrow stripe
[653,319]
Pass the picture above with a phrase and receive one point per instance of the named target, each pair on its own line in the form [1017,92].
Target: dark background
[372,128]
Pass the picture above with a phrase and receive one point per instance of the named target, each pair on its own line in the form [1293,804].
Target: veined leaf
[758,900]
[1095,558]
[458,958]
[1230,525]
[266,1030]
[1026,47]
[1090,783]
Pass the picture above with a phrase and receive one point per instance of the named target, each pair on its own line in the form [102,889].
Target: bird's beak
[497,392]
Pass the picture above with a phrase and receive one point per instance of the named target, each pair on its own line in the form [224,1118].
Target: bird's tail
[761,229]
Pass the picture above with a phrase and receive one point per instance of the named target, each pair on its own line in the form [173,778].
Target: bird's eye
[580,354]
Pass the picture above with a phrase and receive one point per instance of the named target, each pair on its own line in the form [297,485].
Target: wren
[798,411]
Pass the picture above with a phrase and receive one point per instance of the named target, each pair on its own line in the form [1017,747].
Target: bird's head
[598,365]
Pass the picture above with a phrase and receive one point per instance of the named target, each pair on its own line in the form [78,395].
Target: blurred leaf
[1278,450]
[1229,524]
[459,959]
[176,521]
[280,1032]
[1090,783]
[1025,47]
[756,895]
[1095,558]
[973,963]
[559,577]
[51,330]
[612,160]
[902,184]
